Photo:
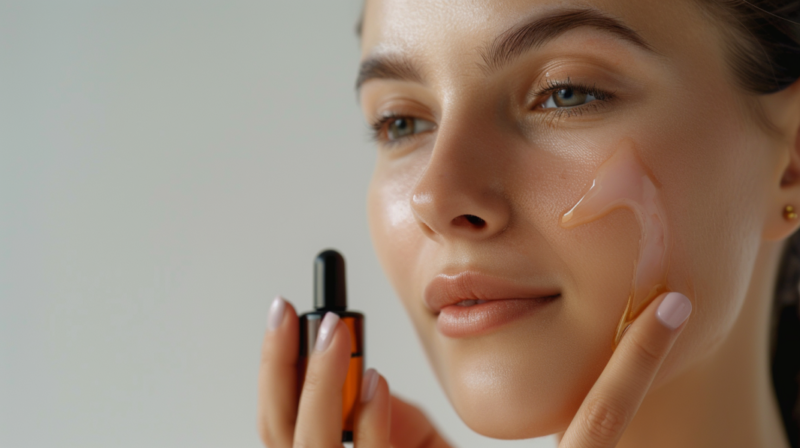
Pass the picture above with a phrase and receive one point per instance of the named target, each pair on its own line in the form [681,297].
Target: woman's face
[500,115]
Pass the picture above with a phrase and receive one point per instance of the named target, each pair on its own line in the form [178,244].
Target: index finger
[277,376]
[617,394]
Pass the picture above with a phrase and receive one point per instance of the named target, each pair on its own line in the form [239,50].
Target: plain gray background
[166,169]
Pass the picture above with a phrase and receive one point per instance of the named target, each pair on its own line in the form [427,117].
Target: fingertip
[289,306]
[670,309]
[280,342]
[280,311]
[373,422]
[382,393]
[276,312]
[370,383]
[326,332]
[674,310]
[333,335]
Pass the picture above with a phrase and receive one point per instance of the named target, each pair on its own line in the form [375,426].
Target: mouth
[472,303]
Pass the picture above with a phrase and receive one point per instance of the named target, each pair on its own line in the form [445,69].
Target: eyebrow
[509,45]
[535,33]
[387,67]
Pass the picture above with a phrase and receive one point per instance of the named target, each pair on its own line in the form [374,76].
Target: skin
[492,151]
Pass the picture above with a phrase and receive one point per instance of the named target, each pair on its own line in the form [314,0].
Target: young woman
[643,316]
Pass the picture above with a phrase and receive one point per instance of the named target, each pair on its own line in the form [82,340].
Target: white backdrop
[166,168]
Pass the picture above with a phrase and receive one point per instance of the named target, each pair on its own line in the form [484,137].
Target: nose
[461,194]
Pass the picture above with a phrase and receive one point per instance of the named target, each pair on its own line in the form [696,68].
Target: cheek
[391,225]
[714,188]
[622,182]
[400,243]
[395,233]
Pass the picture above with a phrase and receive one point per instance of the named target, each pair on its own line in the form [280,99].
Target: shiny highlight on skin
[623,181]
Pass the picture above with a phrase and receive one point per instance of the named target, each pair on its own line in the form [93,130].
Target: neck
[726,399]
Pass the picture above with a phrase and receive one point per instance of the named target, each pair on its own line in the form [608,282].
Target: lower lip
[463,321]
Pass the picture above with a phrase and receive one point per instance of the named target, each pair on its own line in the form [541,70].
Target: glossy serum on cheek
[623,181]
[330,295]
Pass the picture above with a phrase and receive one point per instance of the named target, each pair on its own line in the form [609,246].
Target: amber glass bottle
[330,294]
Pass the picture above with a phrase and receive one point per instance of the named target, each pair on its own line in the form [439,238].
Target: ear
[783,214]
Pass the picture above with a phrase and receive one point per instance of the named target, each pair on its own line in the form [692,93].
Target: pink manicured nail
[369,384]
[674,310]
[325,332]
[276,311]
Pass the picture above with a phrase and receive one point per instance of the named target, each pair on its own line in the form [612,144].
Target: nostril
[474,221]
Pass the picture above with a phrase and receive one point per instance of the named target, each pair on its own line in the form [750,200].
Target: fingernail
[674,310]
[276,311]
[325,332]
[369,385]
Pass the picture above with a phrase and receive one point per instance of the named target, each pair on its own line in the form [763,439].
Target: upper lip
[445,290]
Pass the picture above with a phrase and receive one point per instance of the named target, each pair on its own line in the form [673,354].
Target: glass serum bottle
[330,295]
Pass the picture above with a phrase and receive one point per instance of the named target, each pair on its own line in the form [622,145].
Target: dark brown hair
[764,41]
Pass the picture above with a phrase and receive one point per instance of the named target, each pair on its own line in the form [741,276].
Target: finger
[319,419]
[277,377]
[617,394]
[412,429]
[373,419]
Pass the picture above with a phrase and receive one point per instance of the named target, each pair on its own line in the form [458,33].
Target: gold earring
[789,213]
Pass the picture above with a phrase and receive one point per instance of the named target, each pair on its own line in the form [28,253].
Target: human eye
[393,128]
[568,97]
[557,96]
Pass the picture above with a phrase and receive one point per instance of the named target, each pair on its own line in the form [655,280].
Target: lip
[505,300]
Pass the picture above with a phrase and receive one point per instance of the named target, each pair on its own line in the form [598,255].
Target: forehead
[442,30]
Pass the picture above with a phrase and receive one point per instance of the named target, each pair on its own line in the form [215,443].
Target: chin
[518,384]
[513,411]
[533,422]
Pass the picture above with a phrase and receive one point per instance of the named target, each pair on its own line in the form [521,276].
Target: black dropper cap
[330,292]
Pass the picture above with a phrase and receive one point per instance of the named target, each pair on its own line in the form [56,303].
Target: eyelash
[551,87]
[378,131]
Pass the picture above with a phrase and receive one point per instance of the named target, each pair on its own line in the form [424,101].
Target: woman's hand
[617,394]
[383,421]
[316,420]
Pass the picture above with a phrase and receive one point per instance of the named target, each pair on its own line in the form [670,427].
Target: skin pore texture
[478,162]
[622,181]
